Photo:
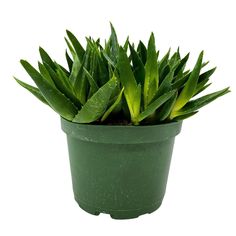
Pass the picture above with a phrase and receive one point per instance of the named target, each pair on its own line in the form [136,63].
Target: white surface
[35,187]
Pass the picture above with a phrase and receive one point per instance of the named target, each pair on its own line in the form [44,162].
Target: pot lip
[173,123]
[121,134]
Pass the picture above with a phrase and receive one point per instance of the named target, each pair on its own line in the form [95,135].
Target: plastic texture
[120,170]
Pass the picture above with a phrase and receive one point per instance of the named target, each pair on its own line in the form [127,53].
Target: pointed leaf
[181,82]
[155,105]
[183,117]
[137,104]
[102,70]
[75,70]
[200,85]
[113,106]
[93,69]
[46,58]
[181,66]
[139,70]
[77,46]
[205,63]
[54,97]
[200,102]
[201,89]
[126,45]
[164,62]
[142,52]
[95,107]
[190,86]
[81,82]
[45,73]
[166,108]
[65,71]
[109,60]
[71,49]
[165,85]
[62,83]
[151,72]
[173,60]
[206,75]
[93,85]
[69,61]
[114,46]
[35,91]
[164,73]
[128,81]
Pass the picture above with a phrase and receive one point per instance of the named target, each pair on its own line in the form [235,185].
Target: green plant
[120,84]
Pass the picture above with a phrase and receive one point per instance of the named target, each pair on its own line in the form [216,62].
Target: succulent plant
[120,83]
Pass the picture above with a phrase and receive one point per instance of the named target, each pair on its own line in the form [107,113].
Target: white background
[35,186]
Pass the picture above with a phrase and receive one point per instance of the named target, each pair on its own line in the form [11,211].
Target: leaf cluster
[118,83]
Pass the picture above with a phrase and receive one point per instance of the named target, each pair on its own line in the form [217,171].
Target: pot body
[120,170]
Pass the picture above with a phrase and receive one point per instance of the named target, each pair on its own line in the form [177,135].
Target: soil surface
[113,122]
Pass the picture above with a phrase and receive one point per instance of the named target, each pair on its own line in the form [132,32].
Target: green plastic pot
[120,170]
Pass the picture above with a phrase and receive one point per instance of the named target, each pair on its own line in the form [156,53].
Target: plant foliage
[118,83]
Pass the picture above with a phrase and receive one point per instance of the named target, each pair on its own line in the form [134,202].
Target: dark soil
[113,122]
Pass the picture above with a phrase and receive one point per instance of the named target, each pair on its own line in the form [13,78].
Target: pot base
[119,214]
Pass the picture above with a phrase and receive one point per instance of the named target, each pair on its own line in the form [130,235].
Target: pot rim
[123,126]
[121,134]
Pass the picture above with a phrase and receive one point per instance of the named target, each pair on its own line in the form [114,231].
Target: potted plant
[121,107]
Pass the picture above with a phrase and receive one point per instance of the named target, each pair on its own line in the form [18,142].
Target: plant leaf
[54,97]
[69,61]
[206,75]
[205,63]
[183,117]
[164,73]
[45,73]
[62,83]
[139,70]
[166,108]
[200,102]
[97,104]
[81,82]
[63,77]
[74,65]
[129,83]
[200,86]
[65,71]
[151,72]
[46,58]
[113,106]
[77,46]
[142,52]
[181,82]
[93,85]
[165,85]
[109,60]
[173,62]
[181,66]
[190,86]
[75,70]
[93,68]
[164,62]
[72,51]
[103,73]
[201,89]
[137,103]
[155,105]
[114,46]
[126,45]
[35,91]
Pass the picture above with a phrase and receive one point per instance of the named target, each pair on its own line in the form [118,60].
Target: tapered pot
[120,170]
